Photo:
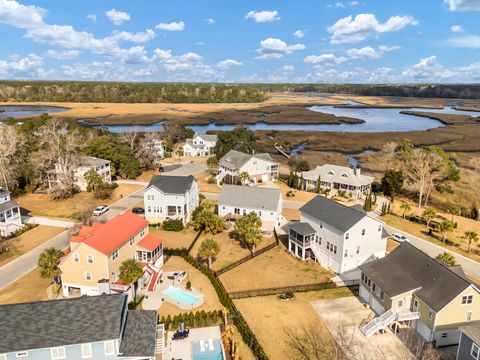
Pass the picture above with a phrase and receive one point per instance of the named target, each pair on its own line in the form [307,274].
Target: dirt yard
[199,282]
[275,268]
[30,287]
[230,250]
[173,239]
[270,318]
[27,241]
[291,214]
[203,184]
[301,196]
[43,205]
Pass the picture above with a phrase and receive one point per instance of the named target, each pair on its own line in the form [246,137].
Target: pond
[14,111]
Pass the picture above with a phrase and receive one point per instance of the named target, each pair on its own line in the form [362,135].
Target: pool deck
[182,349]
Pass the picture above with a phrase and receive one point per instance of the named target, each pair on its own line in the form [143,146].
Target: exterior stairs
[220,177]
[383,321]
[316,251]
[160,342]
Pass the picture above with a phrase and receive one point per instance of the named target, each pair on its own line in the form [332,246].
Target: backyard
[175,239]
[275,268]
[30,287]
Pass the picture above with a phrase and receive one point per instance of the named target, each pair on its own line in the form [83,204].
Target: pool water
[180,296]
[207,354]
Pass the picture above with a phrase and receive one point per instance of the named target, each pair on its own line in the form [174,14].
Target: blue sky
[312,41]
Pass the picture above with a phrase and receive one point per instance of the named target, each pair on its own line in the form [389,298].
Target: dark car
[138,210]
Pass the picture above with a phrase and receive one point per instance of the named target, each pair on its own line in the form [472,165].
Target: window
[90,259]
[444,335]
[86,351]
[318,239]
[131,241]
[415,305]
[114,254]
[374,287]
[358,250]
[475,351]
[335,249]
[430,314]
[321,225]
[346,253]
[467,299]
[346,236]
[379,228]
[76,257]
[400,303]
[109,347]
[22,354]
[58,353]
[363,232]
[3,357]
[88,275]
[469,316]
[382,295]
[363,277]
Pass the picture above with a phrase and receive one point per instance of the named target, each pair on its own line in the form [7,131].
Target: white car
[100,210]
[399,237]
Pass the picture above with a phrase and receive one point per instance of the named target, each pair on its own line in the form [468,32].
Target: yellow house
[410,287]
[92,266]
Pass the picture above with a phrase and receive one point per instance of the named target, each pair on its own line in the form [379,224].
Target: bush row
[197,319]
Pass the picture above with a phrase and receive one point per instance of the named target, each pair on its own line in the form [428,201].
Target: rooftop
[45,324]
[8,205]
[338,174]
[472,331]
[172,184]
[140,334]
[302,228]
[237,159]
[250,197]
[150,242]
[92,161]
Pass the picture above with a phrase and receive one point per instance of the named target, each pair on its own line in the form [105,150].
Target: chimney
[357,171]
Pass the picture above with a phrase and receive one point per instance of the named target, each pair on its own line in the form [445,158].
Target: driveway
[343,318]
[186,170]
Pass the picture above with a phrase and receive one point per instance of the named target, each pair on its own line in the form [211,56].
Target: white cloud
[139,37]
[468,41]
[456,28]
[288,68]
[134,55]
[117,17]
[299,34]
[341,5]
[63,54]
[20,16]
[27,67]
[263,16]
[200,43]
[173,26]
[92,17]
[324,59]
[463,5]
[427,69]
[210,21]
[272,48]
[352,30]
[368,52]
[225,64]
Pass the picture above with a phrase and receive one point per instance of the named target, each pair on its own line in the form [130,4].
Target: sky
[303,41]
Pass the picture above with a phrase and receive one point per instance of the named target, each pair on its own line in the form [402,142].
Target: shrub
[188,285]
[173,225]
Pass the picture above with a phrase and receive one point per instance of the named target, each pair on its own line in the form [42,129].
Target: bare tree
[11,146]
[130,138]
[147,152]
[389,154]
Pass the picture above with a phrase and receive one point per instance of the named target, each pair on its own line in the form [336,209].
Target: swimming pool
[182,297]
[212,350]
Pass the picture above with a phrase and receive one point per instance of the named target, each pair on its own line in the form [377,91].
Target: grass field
[270,317]
[27,241]
[173,239]
[30,287]
[275,268]
[43,205]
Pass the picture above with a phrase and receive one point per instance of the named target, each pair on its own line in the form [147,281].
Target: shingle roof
[45,324]
[407,268]
[335,173]
[472,331]
[237,159]
[302,228]
[332,213]
[140,334]
[8,205]
[172,184]
[208,137]
[249,197]
[92,161]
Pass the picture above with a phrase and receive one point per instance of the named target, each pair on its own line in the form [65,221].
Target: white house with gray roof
[339,178]
[10,217]
[259,167]
[170,197]
[200,145]
[339,237]
[100,328]
[237,200]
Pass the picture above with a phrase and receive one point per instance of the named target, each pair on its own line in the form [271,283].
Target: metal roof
[249,197]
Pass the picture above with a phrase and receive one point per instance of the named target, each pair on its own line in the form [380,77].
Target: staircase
[405,316]
[316,251]
[383,321]
[220,177]
[332,193]
[160,342]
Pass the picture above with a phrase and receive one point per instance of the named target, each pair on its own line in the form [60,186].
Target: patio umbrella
[182,327]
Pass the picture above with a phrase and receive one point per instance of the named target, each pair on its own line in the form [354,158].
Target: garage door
[423,330]
[364,294]
[264,177]
[377,307]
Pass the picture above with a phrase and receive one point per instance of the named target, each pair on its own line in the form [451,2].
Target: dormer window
[344,175]
[331,173]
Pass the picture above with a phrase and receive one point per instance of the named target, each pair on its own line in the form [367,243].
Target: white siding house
[237,200]
[337,236]
[200,145]
[170,197]
[259,167]
[10,217]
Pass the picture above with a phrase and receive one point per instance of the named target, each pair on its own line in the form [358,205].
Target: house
[200,145]
[409,286]
[158,149]
[86,164]
[339,178]
[82,328]
[237,200]
[469,346]
[259,167]
[339,237]
[10,217]
[170,197]
[92,266]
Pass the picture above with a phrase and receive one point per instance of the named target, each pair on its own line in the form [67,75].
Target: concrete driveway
[343,318]
[187,169]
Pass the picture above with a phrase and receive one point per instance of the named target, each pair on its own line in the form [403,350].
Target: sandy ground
[275,268]
[291,214]
[27,241]
[173,239]
[30,287]
[302,196]
[270,318]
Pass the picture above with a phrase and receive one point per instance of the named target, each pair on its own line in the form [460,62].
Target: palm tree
[447,258]
[208,221]
[225,312]
[248,227]
[244,177]
[429,214]
[454,211]
[209,248]
[48,263]
[130,272]
[470,236]
[445,227]
[406,208]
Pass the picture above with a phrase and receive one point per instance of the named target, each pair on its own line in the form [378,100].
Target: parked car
[399,237]
[99,210]
[138,210]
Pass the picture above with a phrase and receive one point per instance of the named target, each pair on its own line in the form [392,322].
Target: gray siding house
[469,347]
[99,328]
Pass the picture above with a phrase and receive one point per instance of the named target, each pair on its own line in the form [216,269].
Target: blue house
[97,327]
